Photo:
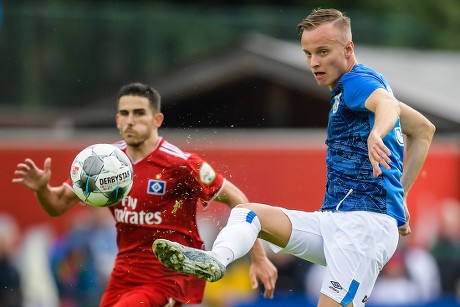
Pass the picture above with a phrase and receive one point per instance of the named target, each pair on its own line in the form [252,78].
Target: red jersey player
[168,186]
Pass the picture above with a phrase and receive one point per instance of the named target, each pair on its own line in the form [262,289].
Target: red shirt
[168,186]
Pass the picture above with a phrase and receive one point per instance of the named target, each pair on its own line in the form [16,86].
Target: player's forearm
[386,115]
[258,251]
[231,195]
[53,200]
[419,133]
[417,147]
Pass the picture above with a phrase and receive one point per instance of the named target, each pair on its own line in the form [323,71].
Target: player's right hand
[379,154]
[264,270]
[31,176]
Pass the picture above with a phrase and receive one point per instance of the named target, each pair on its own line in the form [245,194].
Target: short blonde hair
[322,16]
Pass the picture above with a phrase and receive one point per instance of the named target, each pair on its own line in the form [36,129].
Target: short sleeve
[357,88]
[209,180]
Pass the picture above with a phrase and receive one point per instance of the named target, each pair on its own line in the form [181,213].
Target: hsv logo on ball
[101,175]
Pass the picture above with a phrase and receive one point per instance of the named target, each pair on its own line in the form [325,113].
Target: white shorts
[354,246]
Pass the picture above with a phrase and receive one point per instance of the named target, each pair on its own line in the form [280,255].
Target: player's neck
[139,152]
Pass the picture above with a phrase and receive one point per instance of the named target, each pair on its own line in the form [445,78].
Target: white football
[101,175]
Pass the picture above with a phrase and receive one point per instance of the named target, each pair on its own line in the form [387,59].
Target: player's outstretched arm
[54,200]
[419,133]
[262,269]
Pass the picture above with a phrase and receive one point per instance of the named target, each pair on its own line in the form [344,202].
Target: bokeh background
[236,89]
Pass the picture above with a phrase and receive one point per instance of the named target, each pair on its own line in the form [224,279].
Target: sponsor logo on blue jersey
[335,106]
[156,187]
[399,136]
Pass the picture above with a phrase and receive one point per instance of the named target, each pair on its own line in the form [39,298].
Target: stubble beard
[137,142]
[133,142]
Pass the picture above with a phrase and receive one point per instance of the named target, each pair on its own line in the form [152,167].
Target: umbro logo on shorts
[335,286]
[365,299]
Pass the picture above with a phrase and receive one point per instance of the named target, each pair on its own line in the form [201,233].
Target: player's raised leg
[245,224]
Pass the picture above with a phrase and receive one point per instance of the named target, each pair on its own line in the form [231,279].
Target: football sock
[237,237]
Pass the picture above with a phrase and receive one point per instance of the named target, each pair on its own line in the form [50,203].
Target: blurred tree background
[65,54]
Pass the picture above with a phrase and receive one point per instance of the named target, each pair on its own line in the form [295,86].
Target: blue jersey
[351,185]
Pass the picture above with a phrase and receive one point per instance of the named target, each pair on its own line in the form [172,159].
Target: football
[101,175]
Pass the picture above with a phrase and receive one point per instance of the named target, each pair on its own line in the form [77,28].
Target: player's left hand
[264,271]
[405,230]
[379,154]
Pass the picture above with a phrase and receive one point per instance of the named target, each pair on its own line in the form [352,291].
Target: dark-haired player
[168,186]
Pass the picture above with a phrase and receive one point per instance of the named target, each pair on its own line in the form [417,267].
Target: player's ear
[116,119]
[158,119]
[349,47]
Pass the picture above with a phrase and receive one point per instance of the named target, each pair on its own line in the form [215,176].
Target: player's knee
[243,213]
[244,205]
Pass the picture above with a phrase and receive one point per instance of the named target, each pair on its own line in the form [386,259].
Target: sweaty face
[135,120]
[328,55]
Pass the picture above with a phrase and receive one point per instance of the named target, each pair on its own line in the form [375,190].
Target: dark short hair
[142,90]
